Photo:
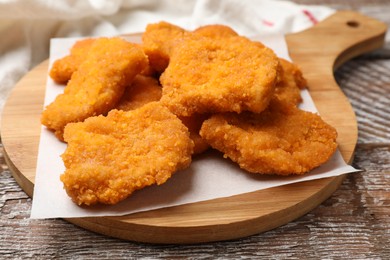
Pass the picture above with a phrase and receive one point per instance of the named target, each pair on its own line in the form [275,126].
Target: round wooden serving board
[318,51]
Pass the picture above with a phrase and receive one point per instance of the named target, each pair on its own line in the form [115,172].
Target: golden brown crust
[194,123]
[97,85]
[282,140]
[215,31]
[219,75]
[158,41]
[143,90]
[108,158]
[63,68]
[288,89]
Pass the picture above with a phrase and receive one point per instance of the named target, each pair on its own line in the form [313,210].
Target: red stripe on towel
[310,16]
[267,23]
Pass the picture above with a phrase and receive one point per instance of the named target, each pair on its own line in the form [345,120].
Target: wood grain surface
[353,223]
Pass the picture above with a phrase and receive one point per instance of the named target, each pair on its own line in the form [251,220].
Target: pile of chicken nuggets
[134,114]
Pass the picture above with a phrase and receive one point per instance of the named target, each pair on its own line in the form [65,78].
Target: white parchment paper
[209,176]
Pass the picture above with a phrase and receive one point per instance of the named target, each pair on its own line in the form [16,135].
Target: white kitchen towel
[26,26]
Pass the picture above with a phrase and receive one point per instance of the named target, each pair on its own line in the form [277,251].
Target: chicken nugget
[282,140]
[215,31]
[208,75]
[97,85]
[194,123]
[158,41]
[108,158]
[143,90]
[63,68]
[288,89]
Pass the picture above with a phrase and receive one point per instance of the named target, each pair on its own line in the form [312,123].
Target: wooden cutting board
[318,51]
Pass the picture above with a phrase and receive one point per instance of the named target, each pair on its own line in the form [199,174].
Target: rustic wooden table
[353,223]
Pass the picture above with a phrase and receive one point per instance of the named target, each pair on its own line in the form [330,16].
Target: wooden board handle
[338,38]
[324,47]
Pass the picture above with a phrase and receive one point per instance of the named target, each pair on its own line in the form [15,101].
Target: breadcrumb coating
[208,75]
[194,123]
[63,68]
[215,31]
[158,40]
[143,90]
[97,85]
[282,140]
[288,89]
[108,158]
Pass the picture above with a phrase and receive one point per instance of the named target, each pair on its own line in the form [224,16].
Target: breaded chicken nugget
[143,90]
[282,140]
[231,74]
[63,68]
[194,123]
[288,89]
[97,85]
[158,41]
[296,73]
[108,158]
[215,30]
